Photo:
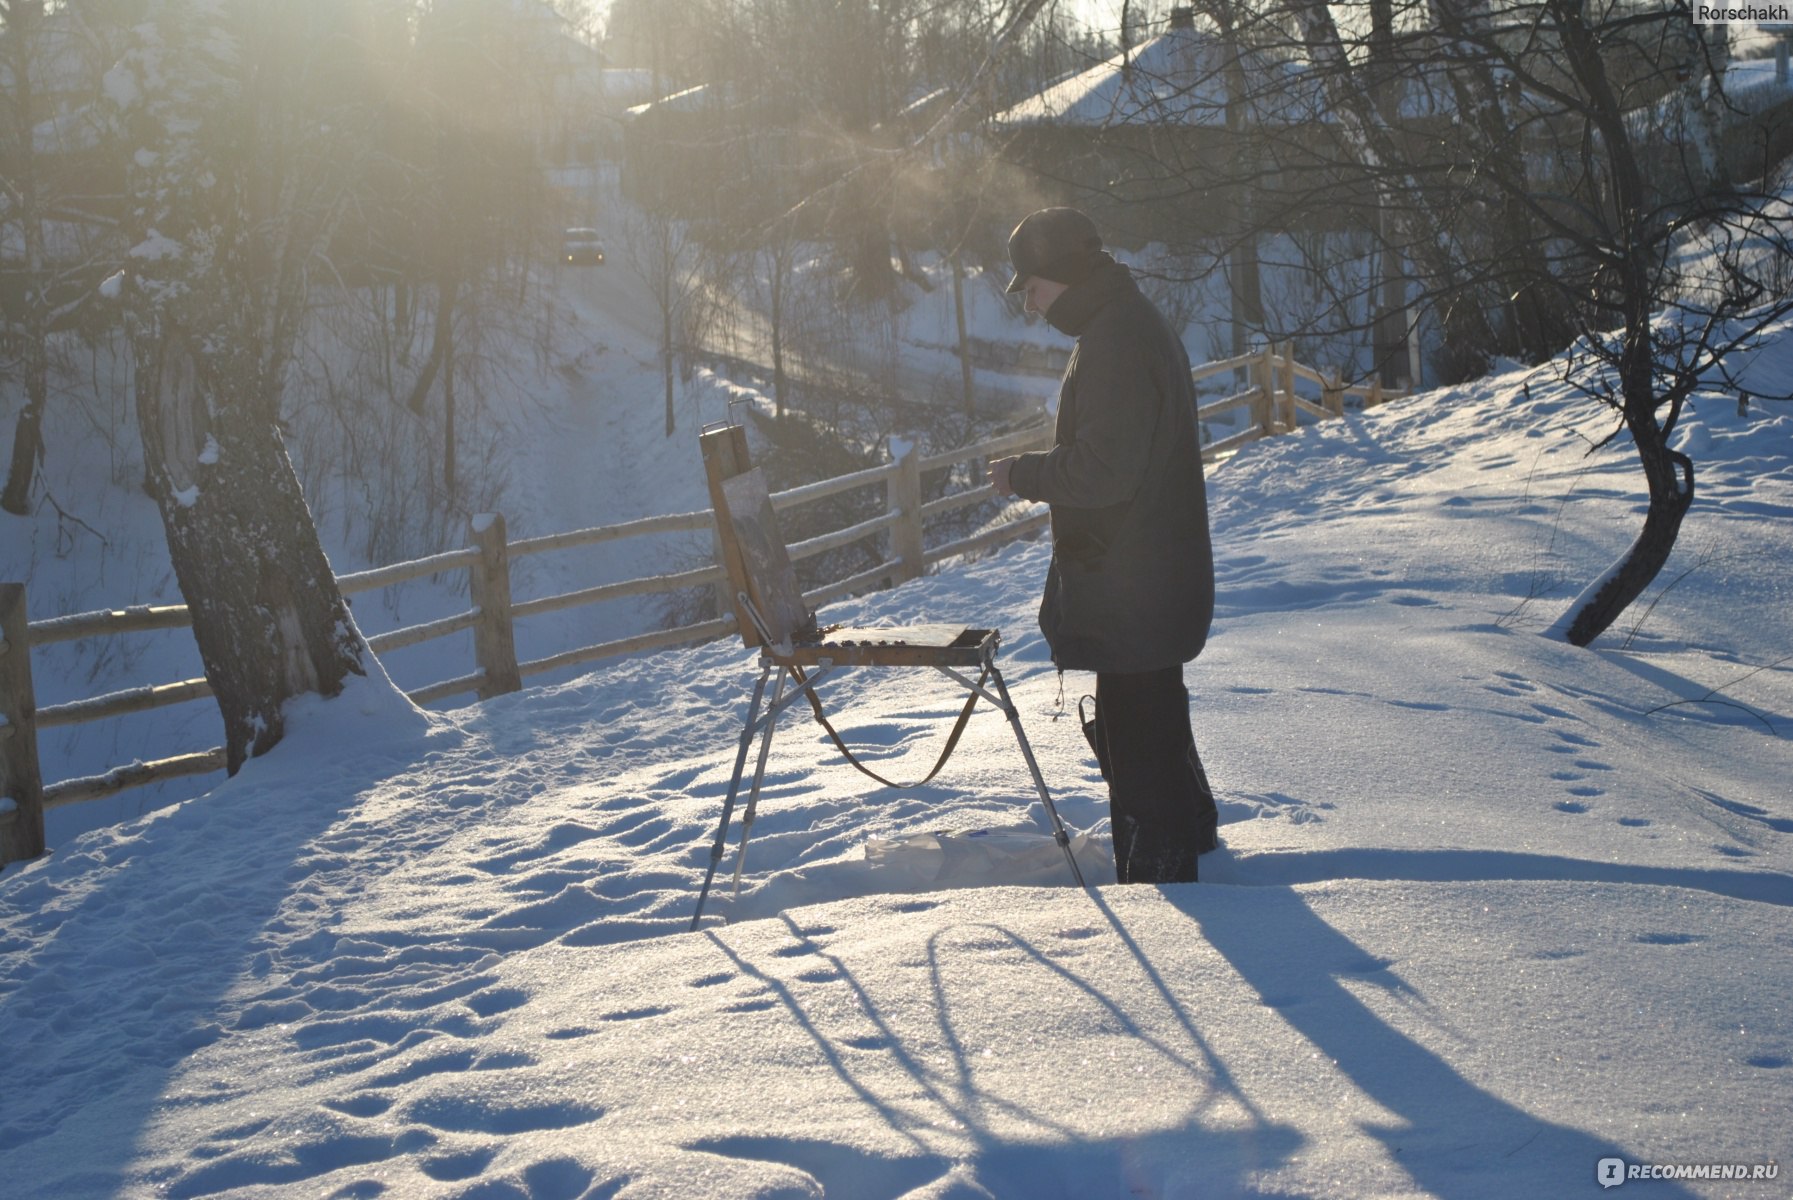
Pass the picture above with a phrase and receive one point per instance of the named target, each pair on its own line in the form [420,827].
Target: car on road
[582,247]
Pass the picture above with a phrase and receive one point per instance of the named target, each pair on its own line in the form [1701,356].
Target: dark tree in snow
[1594,156]
[22,218]
[246,119]
[1678,267]
[56,191]
[1591,142]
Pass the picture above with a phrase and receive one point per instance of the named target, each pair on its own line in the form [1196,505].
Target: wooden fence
[1271,401]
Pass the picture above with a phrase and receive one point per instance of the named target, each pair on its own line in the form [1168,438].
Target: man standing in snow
[1130,591]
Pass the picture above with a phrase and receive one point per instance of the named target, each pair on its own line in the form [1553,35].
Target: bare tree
[1560,168]
[57,222]
[23,212]
[662,249]
[1656,325]
[1596,196]
[480,184]
[246,124]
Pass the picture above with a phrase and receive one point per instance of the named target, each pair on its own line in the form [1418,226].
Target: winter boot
[1162,812]
[1207,813]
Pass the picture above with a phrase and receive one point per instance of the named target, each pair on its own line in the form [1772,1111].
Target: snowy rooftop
[1176,78]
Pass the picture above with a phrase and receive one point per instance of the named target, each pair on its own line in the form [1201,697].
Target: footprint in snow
[491,1003]
[461,1113]
[454,1167]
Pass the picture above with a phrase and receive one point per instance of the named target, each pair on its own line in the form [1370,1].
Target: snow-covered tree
[248,121]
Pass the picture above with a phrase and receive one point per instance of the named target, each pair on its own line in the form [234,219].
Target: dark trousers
[1161,807]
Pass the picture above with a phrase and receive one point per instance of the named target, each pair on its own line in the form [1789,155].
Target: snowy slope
[1489,908]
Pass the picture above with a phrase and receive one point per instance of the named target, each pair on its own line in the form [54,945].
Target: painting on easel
[771,580]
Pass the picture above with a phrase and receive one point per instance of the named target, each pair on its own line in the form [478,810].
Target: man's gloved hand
[999,476]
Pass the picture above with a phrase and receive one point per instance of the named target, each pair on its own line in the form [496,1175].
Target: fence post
[902,493]
[1292,417]
[1253,370]
[1266,403]
[1375,396]
[489,587]
[21,785]
[1332,393]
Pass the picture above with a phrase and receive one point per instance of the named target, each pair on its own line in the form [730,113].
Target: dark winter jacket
[1131,586]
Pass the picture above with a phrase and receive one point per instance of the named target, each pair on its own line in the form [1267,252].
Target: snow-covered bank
[1489,908]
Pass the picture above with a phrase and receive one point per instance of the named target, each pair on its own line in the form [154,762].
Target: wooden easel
[771,614]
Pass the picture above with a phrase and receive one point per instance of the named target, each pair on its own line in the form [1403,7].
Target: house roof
[1177,78]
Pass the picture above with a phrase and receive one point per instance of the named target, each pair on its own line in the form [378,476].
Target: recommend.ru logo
[1611,1172]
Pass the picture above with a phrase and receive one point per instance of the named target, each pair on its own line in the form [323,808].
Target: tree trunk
[28,433]
[34,353]
[448,464]
[1670,476]
[268,615]
[441,341]
[778,376]
[666,362]
[967,389]
[1536,322]
[27,451]
[1367,138]
[1668,472]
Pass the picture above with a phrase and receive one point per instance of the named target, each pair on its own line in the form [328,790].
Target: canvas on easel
[769,578]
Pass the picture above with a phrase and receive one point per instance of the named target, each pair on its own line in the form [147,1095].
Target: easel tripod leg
[759,775]
[734,787]
[1039,781]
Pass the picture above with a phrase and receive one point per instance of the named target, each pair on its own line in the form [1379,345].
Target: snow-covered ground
[1489,909]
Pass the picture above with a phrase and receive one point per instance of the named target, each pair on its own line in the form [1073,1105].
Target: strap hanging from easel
[952,739]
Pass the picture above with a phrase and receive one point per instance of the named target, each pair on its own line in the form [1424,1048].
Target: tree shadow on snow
[148,951]
[1453,1138]
[1023,1149]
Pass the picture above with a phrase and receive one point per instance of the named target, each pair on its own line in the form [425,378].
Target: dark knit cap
[1060,244]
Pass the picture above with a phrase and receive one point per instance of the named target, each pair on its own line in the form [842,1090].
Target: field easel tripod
[770,614]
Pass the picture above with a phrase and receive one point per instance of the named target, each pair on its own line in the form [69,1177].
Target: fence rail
[1271,400]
